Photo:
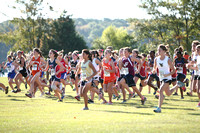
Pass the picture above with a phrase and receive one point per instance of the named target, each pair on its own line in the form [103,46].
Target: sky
[87,9]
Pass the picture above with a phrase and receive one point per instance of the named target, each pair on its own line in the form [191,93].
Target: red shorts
[108,81]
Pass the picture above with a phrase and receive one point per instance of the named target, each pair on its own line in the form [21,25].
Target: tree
[115,37]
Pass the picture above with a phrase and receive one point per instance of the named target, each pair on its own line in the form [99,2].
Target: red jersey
[35,66]
[64,64]
[107,75]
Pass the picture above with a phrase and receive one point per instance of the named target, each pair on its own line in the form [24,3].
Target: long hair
[38,51]
[87,52]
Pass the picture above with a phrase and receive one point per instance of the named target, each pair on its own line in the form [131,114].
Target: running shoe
[18,90]
[175,94]
[77,98]
[74,89]
[60,100]
[114,97]
[85,108]
[6,90]
[130,96]
[15,87]
[90,101]
[109,103]
[13,91]
[157,110]
[104,102]
[180,84]
[157,96]
[143,100]
[71,85]
[189,94]
[48,93]
[124,101]
[28,95]
[42,94]
[198,105]
[182,97]
[118,97]
[155,91]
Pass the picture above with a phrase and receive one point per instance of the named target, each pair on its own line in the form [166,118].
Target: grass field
[21,114]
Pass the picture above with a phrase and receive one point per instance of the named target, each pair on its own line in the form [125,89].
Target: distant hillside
[90,29]
[93,28]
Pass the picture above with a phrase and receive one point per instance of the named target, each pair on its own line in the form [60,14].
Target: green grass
[21,114]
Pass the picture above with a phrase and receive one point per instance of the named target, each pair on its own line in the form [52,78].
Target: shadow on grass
[17,100]
[17,96]
[125,112]
[193,113]
[178,108]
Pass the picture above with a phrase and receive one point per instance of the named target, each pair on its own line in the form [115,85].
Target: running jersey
[96,66]
[57,68]
[198,65]
[194,58]
[52,66]
[128,66]
[10,67]
[180,66]
[64,64]
[107,75]
[163,68]
[35,66]
[86,71]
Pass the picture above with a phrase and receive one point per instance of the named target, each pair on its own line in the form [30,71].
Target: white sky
[96,9]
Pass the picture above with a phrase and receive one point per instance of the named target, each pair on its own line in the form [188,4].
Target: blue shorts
[11,74]
[54,78]
[41,76]
[63,75]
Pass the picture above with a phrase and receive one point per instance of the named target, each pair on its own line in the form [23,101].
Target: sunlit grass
[19,113]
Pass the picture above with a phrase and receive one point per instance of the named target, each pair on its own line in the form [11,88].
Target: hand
[136,72]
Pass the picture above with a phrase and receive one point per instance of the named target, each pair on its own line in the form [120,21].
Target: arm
[154,66]
[99,63]
[120,64]
[139,63]
[61,66]
[171,67]
[47,66]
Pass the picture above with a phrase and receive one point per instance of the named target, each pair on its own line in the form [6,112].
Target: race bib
[161,74]
[126,71]
[34,67]
[83,76]
[53,72]
[179,69]
[9,69]
[106,74]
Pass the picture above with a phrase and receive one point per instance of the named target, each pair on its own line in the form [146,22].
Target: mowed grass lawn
[19,113]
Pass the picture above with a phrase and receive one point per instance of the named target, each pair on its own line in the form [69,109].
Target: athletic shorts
[121,77]
[109,81]
[42,74]
[180,76]
[11,74]
[129,80]
[63,75]
[139,76]
[196,77]
[167,81]
[23,72]
[174,79]
[155,76]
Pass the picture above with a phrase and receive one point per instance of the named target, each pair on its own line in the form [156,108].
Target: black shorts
[180,76]
[23,72]
[121,77]
[100,80]
[73,75]
[155,76]
[139,76]
[167,81]
[173,79]
[196,77]
[129,80]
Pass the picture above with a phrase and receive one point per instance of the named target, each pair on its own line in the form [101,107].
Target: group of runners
[97,72]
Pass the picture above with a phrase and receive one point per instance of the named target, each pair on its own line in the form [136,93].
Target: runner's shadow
[178,108]
[17,100]
[193,114]
[17,96]
[125,112]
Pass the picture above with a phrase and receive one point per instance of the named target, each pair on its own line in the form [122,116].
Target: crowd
[105,71]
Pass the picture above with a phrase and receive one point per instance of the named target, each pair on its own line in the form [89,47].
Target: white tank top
[163,68]
[198,65]
[194,58]
[96,66]
[86,71]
